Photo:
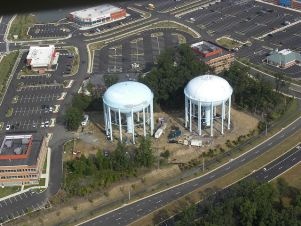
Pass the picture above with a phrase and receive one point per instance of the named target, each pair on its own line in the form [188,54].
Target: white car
[42,124]
[7,127]
[50,109]
[46,123]
[85,121]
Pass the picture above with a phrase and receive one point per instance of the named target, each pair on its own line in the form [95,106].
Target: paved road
[267,173]
[132,212]
[3,26]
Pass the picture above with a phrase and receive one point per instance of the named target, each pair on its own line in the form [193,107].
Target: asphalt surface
[266,173]
[151,46]
[134,211]
[3,27]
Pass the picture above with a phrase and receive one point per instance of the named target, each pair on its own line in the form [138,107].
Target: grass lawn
[292,176]
[6,65]
[8,190]
[228,43]
[20,26]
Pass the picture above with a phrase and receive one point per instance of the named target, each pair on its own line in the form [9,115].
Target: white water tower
[124,104]
[203,95]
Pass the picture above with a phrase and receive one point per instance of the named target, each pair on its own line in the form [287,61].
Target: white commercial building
[203,95]
[42,58]
[97,15]
[126,105]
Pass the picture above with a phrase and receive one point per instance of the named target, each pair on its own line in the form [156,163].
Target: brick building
[22,159]
[217,58]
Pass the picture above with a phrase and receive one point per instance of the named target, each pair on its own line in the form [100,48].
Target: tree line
[175,67]
[86,174]
[248,203]
[255,94]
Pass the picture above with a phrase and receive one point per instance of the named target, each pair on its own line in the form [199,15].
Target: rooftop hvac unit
[18,150]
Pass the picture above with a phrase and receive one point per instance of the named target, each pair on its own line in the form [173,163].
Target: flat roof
[36,143]
[40,56]
[205,47]
[96,12]
[285,51]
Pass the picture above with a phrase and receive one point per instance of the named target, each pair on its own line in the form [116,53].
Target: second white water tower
[202,95]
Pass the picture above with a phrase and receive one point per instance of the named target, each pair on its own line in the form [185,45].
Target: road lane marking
[266,176]
[212,176]
[280,168]
[293,159]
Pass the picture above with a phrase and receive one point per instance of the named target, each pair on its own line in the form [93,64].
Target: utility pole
[129,193]
[266,128]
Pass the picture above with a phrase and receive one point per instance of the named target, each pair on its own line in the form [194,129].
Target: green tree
[110,79]
[144,153]
[73,118]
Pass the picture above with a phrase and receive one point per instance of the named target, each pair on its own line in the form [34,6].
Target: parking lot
[137,54]
[241,20]
[50,30]
[6,206]
[35,100]
[290,38]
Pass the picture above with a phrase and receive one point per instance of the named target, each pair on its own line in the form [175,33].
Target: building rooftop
[40,56]
[96,12]
[205,47]
[20,149]
[285,51]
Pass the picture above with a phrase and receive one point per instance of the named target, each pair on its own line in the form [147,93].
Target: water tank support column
[214,112]
[120,128]
[223,116]
[186,112]
[229,111]
[105,116]
[200,118]
[138,116]
[115,117]
[110,123]
[190,129]
[152,118]
[147,115]
[133,127]
[144,131]
[211,119]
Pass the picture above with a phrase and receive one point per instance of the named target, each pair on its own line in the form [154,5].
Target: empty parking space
[50,30]
[115,59]
[240,19]
[158,44]
[137,54]
[30,98]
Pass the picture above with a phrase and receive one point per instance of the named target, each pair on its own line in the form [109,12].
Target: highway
[127,214]
[266,173]
[131,212]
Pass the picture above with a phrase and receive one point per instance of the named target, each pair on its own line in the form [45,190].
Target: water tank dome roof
[128,95]
[208,88]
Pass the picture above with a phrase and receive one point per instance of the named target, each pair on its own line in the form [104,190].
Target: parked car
[42,124]
[7,127]
[47,124]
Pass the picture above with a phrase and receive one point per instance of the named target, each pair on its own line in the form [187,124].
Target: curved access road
[133,211]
